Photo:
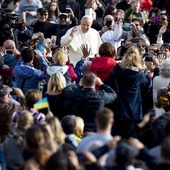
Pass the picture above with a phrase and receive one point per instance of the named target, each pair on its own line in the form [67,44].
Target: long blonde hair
[131,59]
[56,83]
[57,129]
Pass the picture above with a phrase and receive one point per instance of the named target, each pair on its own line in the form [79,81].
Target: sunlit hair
[154,45]
[79,129]
[57,129]
[56,83]
[59,57]
[165,68]
[88,78]
[131,59]
[25,120]
[107,49]
[32,96]
[104,117]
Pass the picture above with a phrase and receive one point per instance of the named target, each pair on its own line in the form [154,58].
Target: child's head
[79,126]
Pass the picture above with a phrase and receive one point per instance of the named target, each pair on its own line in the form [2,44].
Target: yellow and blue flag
[41,104]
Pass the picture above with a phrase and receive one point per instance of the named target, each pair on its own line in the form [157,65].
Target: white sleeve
[118,31]
[66,39]
[159,41]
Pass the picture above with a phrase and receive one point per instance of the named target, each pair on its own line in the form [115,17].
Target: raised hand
[162,30]
[73,31]
[86,51]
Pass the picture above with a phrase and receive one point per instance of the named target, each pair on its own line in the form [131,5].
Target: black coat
[86,102]
[47,28]
[128,84]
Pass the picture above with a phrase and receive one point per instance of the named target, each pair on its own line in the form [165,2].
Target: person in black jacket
[66,21]
[86,100]
[42,25]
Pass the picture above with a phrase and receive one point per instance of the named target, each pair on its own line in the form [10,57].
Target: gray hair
[85,66]
[165,68]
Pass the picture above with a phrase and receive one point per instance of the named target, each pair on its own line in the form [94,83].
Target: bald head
[9,44]
[108,18]
[86,23]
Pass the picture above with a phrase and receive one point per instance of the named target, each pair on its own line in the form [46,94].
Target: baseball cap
[42,10]
[63,14]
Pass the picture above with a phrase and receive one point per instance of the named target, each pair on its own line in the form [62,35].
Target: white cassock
[91,38]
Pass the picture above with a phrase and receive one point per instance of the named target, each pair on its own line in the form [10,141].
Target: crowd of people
[103,70]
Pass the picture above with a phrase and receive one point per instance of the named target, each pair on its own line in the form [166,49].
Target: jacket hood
[56,68]
[25,71]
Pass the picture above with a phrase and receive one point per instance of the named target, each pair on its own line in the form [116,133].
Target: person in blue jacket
[25,74]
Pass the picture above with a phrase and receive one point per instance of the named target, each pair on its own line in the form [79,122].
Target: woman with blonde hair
[79,129]
[60,59]
[132,60]
[57,102]
[127,79]
[59,135]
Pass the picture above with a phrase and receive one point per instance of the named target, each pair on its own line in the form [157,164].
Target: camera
[135,40]
[108,23]
[50,59]
[9,51]
[6,24]
[148,57]
[65,10]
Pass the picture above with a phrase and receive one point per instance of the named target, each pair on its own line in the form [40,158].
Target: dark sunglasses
[44,14]
[140,45]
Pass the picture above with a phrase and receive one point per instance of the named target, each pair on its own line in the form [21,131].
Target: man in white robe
[77,36]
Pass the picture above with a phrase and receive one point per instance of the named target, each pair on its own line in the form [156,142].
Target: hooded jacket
[54,68]
[27,77]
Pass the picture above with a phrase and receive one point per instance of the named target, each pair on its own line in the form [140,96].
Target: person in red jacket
[103,65]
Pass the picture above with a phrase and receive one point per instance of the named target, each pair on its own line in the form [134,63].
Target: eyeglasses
[44,14]
[141,46]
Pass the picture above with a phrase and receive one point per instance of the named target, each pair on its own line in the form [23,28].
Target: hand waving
[86,51]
